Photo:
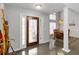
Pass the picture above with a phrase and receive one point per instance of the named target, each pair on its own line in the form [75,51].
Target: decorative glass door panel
[32,30]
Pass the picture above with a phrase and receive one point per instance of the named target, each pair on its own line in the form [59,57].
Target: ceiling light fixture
[38,6]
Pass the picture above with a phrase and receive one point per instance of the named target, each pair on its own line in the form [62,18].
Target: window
[52,26]
[52,22]
[23,30]
[52,16]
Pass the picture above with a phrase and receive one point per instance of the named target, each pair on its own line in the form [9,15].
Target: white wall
[60,17]
[13,15]
[74,18]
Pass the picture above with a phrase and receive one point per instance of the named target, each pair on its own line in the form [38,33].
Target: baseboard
[74,37]
[43,42]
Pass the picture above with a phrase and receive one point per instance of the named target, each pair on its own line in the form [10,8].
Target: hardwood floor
[44,49]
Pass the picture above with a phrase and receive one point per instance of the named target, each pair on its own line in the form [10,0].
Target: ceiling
[48,7]
[73,6]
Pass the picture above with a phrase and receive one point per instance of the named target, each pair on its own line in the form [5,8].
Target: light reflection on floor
[23,53]
[32,51]
[60,53]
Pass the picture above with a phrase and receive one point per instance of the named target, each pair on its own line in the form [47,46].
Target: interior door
[32,30]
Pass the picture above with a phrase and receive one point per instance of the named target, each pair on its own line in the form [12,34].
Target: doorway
[32,30]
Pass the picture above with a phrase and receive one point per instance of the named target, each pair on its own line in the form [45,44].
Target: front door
[32,30]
